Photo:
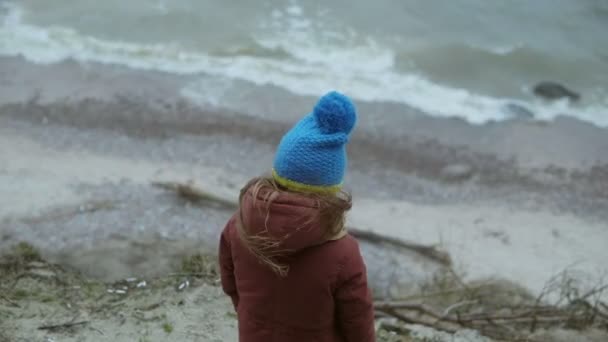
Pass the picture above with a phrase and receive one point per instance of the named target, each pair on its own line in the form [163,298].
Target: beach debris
[510,318]
[183,285]
[123,286]
[191,192]
[430,252]
[554,91]
[71,324]
[121,291]
[457,172]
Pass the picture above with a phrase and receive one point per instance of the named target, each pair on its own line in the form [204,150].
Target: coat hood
[292,219]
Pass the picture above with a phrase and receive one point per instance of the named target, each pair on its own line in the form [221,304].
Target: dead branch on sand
[62,325]
[504,323]
[190,192]
[430,252]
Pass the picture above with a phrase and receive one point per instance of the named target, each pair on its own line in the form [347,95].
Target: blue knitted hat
[312,155]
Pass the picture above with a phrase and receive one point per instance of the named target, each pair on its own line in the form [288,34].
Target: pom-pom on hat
[311,157]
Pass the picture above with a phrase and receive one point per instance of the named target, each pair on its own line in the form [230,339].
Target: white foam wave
[501,50]
[331,60]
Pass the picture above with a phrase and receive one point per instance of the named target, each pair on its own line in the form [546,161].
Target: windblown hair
[329,209]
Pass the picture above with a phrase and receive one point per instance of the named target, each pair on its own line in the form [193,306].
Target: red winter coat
[324,297]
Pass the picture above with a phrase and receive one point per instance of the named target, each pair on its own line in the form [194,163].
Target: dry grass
[29,281]
[200,265]
[18,258]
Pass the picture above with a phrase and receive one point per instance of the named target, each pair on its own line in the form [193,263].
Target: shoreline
[396,152]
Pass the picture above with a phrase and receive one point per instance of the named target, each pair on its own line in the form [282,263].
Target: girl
[291,269]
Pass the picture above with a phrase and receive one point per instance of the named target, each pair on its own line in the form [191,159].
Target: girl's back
[292,271]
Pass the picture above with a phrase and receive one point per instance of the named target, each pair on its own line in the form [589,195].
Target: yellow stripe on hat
[301,187]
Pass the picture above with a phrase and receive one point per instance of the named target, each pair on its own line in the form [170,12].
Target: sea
[460,58]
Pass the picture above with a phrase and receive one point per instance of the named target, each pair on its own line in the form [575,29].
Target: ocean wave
[501,50]
[295,57]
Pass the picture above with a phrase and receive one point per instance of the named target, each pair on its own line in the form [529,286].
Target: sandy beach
[80,145]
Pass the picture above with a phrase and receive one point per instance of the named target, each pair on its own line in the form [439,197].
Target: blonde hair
[330,208]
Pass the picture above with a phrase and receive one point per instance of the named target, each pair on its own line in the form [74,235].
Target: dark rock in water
[555,91]
[516,111]
[457,172]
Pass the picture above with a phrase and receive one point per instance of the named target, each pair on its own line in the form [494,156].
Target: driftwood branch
[412,307]
[453,307]
[192,193]
[62,325]
[389,326]
[574,310]
[409,317]
[489,324]
[496,324]
[428,251]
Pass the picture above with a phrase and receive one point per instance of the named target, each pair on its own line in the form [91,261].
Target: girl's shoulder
[344,249]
